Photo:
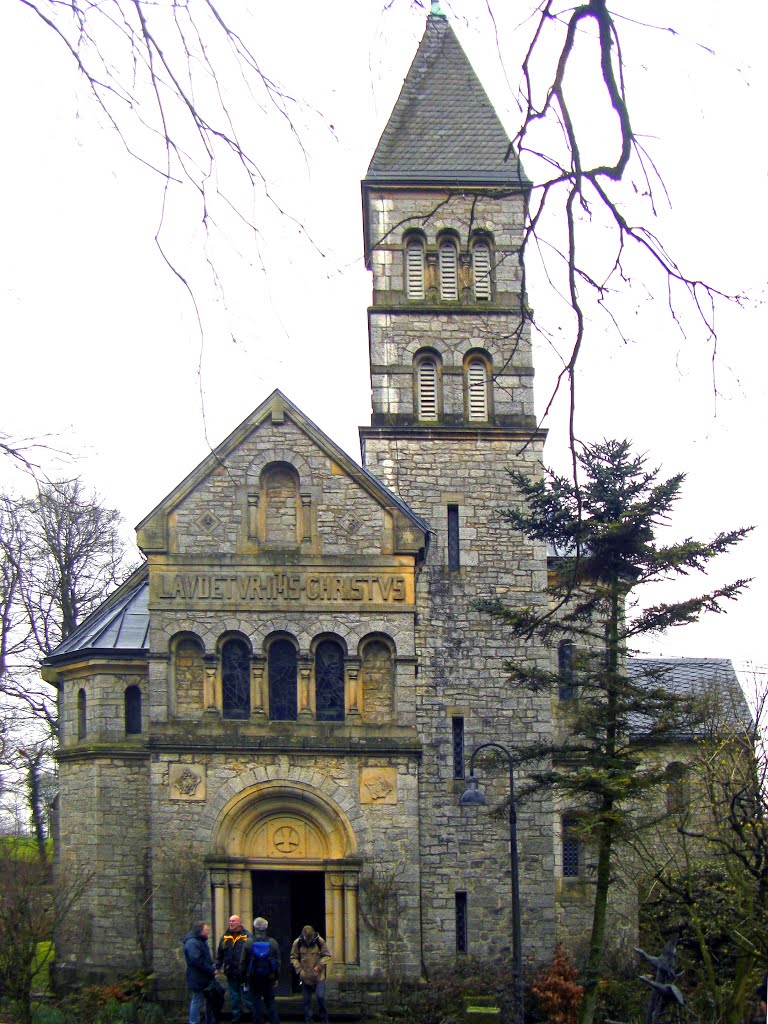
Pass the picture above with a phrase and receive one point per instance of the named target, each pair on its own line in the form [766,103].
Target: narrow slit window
[132,710]
[82,714]
[566,654]
[449,271]
[481,271]
[454,547]
[414,268]
[462,941]
[571,849]
[427,389]
[457,724]
[477,391]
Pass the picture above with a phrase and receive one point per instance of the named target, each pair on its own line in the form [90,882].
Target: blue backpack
[263,960]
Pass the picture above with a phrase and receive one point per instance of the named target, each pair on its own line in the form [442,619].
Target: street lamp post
[473,797]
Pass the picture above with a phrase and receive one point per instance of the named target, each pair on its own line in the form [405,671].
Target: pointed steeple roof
[443,128]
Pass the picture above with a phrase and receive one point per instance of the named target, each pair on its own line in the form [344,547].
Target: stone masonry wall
[103,828]
[461,672]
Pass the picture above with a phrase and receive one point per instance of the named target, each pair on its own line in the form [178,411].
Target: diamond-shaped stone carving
[208,521]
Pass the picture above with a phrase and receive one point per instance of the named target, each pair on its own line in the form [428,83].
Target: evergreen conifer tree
[602,532]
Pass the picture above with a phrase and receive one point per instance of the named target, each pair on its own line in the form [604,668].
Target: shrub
[556,990]
[441,999]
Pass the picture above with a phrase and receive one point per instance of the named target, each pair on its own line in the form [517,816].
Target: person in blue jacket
[200,972]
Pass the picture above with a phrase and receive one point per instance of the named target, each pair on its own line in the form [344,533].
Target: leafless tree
[60,554]
[33,908]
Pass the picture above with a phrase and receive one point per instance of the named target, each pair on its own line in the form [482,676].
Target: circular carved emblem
[286,839]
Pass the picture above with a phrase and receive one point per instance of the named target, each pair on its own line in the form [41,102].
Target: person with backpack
[228,959]
[260,970]
[310,957]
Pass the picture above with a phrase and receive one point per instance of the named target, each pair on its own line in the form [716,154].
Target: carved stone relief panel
[378,786]
[186,782]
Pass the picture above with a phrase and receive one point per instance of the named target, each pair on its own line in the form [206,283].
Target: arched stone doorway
[285,851]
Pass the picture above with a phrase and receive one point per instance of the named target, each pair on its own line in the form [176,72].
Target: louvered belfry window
[449,271]
[427,388]
[481,271]
[414,268]
[477,391]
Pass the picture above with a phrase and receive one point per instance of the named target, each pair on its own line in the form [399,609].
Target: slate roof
[694,677]
[121,624]
[443,128]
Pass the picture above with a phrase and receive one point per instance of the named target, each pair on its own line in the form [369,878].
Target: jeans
[236,996]
[262,995]
[307,991]
[199,1011]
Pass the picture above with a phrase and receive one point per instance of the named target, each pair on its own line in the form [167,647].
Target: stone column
[220,912]
[258,696]
[235,894]
[351,946]
[306,517]
[305,684]
[335,921]
[253,516]
[353,687]
[211,665]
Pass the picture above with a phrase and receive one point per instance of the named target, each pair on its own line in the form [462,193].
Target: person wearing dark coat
[200,972]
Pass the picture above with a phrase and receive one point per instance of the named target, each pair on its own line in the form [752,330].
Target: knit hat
[260,924]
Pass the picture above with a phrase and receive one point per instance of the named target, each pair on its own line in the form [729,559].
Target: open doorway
[289,900]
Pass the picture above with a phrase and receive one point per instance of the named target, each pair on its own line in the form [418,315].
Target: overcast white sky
[101,348]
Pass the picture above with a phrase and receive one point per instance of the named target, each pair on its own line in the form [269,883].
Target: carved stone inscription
[251,589]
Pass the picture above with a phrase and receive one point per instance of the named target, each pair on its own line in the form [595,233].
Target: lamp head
[473,797]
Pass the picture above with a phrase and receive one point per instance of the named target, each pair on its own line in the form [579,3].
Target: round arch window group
[282,682]
[449,275]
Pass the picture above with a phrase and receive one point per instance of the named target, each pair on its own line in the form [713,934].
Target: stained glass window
[236,679]
[282,681]
[329,682]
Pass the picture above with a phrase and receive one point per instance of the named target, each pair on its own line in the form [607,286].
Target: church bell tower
[452,392]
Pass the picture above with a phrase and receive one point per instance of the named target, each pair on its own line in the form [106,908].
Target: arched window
[378,674]
[481,270]
[82,714]
[235,679]
[188,676]
[280,498]
[329,681]
[282,665]
[477,390]
[677,796]
[571,848]
[427,389]
[132,710]
[449,270]
[414,267]
[566,654]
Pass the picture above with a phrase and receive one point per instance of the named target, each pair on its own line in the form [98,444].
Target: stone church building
[273,715]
